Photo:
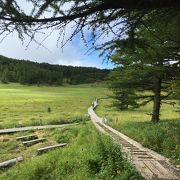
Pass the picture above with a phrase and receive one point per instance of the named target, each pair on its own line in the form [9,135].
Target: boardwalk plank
[168,174]
[28,137]
[14,130]
[45,149]
[145,172]
[10,162]
[35,141]
[154,169]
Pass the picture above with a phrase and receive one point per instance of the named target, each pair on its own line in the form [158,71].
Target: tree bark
[157,101]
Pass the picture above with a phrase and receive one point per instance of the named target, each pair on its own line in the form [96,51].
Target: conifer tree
[150,62]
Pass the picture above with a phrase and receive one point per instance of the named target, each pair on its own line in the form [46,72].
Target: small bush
[48,109]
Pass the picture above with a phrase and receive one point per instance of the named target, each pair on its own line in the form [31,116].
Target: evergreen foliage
[27,72]
[147,62]
[101,18]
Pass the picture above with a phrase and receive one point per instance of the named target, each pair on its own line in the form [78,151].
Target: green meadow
[89,154]
[22,105]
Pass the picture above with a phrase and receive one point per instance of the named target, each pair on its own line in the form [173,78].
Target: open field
[163,137]
[89,155]
[31,105]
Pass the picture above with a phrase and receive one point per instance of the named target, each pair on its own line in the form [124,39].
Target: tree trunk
[157,101]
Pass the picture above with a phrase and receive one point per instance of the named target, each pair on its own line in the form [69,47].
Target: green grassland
[163,137]
[142,114]
[89,155]
[31,105]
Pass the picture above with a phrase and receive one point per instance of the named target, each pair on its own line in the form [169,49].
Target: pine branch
[146,102]
[103,6]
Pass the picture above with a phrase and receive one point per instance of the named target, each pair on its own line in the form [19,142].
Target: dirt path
[150,164]
[13,130]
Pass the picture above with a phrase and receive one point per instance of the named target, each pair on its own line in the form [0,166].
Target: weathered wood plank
[150,165]
[10,162]
[26,138]
[145,172]
[171,168]
[35,141]
[14,130]
[143,156]
[45,149]
[165,171]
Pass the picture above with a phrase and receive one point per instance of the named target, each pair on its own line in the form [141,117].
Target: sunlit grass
[28,105]
[141,114]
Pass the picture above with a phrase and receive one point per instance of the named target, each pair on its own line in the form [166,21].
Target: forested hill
[27,72]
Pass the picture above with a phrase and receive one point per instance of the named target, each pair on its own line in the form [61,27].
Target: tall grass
[22,105]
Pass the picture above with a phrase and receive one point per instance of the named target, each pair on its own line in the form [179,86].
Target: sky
[73,53]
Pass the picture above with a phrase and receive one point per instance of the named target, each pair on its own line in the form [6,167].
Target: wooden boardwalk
[13,130]
[150,164]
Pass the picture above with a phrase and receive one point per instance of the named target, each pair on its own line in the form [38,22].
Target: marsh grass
[30,105]
[89,155]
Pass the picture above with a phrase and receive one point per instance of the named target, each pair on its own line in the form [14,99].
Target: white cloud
[72,54]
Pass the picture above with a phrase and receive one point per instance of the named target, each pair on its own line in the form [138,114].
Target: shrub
[48,109]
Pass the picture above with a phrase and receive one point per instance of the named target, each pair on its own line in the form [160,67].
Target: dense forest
[27,72]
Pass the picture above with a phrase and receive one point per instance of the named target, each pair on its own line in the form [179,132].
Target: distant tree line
[27,72]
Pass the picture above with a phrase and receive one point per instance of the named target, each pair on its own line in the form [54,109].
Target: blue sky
[74,52]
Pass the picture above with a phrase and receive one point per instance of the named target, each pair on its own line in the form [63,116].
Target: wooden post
[45,149]
[35,141]
[26,138]
[10,162]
